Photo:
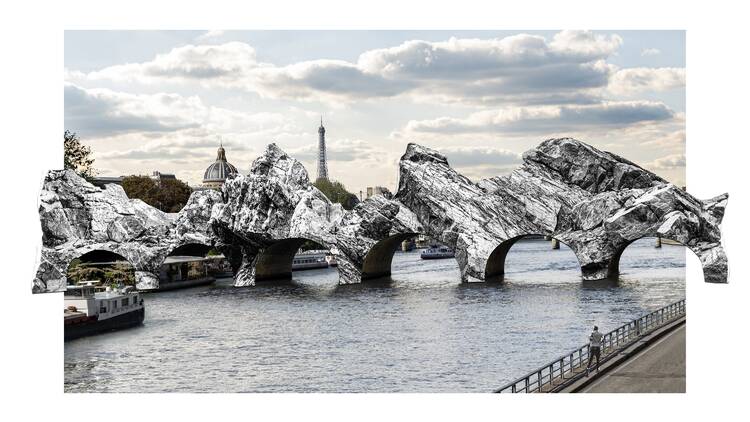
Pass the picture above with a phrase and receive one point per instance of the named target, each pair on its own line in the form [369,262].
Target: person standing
[595,348]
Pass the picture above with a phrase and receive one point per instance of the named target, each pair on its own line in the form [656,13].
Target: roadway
[659,368]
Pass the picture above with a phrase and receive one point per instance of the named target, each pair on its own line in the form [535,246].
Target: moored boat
[88,311]
[437,252]
[309,260]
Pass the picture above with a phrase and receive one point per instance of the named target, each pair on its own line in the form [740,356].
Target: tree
[336,192]
[143,188]
[118,274]
[168,195]
[78,156]
[174,194]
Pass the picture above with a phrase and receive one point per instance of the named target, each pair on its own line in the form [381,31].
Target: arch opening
[277,261]
[101,267]
[379,259]
[651,257]
[417,253]
[189,265]
[536,256]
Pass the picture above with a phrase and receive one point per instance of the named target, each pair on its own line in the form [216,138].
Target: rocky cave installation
[595,202]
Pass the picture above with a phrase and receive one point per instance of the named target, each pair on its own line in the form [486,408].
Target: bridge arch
[613,269]
[103,265]
[274,262]
[495,268]
[378,262]
[190,249]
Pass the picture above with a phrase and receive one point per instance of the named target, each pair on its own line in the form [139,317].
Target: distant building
[157,176]
[375,190]
[101,181]
[216,174]
[322,161]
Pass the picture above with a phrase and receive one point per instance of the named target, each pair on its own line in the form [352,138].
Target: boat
[90,309]
[179,272]
[309,260]
[437,252]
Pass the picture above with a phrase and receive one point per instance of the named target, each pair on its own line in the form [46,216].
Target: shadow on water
[604,284]
[377,286]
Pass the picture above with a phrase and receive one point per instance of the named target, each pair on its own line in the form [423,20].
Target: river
[422,332]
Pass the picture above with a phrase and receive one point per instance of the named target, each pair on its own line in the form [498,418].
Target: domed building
[218,172]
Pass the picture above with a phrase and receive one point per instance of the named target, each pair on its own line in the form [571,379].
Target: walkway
[660,368]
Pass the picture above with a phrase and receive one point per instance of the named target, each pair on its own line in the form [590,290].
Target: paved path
[660,368]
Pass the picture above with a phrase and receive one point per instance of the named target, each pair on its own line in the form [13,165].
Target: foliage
[336,192]
[310,245]
[78,156]
[168,195]
[121,273]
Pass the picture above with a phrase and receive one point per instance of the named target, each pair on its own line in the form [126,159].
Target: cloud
[568,68]
[669,162]
[641,79]
[343,150]
[650,52]
[544,119]
[332,78]
[102,112]
[215,33]
[475,156]
[216,65]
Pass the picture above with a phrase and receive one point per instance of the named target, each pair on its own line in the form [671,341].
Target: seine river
[423,332]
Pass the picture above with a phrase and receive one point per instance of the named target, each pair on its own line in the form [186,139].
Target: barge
[91,310]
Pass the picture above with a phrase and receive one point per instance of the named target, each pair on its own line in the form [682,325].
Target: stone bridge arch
[495,267]
[711,256]
[98,255]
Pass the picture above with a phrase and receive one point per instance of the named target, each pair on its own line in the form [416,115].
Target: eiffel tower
[322,162]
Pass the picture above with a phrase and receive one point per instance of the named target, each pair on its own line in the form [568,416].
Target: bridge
[595,202]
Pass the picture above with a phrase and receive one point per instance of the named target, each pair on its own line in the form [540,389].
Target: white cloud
[102,112]
[545,119]
[643,79]
[567,68]
[215,65]
[474,156]
[650,52]
[214,33]
[669,162]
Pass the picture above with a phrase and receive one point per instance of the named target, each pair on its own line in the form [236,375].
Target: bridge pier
[146,280]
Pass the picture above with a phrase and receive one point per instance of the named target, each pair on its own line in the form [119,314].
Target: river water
[422,332]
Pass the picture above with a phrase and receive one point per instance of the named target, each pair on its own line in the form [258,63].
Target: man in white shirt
[595,348]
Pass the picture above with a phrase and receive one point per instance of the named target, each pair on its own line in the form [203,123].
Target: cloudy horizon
[163,100]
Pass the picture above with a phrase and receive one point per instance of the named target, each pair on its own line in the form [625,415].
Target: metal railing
[573,364]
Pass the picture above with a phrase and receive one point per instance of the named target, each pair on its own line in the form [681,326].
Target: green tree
[174,194]
[168,195]
[336,192]
[118,274]
[143,188]
[78,156]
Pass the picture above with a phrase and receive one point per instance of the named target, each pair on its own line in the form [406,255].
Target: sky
[164,100]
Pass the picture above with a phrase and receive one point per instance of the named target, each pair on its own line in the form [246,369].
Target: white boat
[437,252]
[88,311]
[309,260]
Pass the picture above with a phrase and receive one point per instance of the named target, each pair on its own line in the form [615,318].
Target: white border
[32,49]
